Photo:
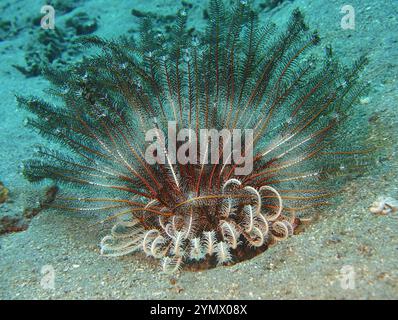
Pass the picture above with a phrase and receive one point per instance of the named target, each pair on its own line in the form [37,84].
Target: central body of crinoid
[203,231]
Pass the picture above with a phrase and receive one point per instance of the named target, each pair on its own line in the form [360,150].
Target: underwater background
[349,252]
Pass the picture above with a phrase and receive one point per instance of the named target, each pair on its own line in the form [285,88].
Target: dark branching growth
[238,75]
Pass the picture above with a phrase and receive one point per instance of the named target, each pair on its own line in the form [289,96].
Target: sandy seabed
[309,265]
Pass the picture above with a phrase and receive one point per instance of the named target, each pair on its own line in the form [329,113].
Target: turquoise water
[37,243]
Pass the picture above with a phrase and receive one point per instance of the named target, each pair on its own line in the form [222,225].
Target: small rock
[384,206]
[82,23]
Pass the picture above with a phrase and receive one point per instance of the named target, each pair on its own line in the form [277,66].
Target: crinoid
[238,74]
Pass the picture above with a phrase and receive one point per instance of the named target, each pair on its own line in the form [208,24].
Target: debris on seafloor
[3,193]
[384,206]
[46,199]
[10,224]
[17,223]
